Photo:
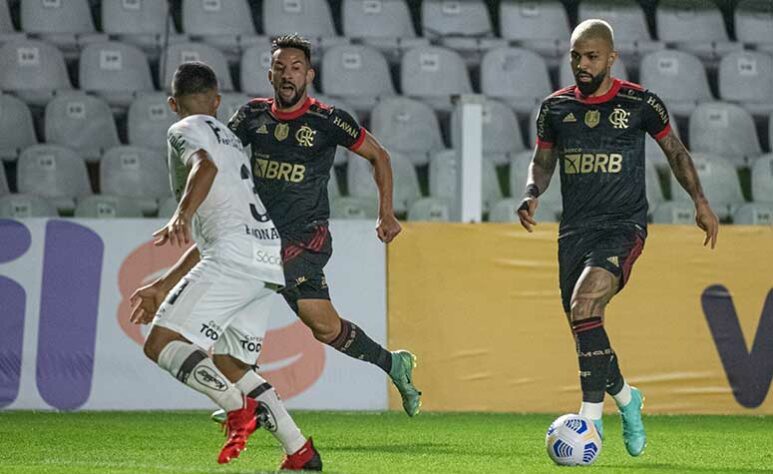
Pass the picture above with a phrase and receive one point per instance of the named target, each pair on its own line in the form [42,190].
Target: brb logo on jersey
[585,163]
[270,169]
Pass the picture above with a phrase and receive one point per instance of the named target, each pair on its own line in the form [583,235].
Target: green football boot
[633,428]
[403,363]
[599,424]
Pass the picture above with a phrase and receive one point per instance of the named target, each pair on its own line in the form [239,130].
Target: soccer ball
[573,440]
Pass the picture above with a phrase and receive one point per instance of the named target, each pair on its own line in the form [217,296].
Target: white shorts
[217,308]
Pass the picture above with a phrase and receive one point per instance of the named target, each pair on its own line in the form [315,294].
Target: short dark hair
[292,41]
[194,77]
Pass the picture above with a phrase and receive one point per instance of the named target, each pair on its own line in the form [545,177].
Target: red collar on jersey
[295,113]
[611,93]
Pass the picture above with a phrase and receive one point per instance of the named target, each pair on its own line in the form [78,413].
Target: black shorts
[614,249]
[304,255]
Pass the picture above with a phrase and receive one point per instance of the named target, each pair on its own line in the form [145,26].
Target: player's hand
[145,302]
[708,222]
[526,211]
[387,228]
[177,231]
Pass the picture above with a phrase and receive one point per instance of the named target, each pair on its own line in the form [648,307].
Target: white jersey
[232,223]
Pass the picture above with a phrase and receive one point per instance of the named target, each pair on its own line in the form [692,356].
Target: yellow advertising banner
[480,307]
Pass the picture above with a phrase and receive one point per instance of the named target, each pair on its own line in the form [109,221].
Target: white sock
[191,366]
[592,411]
[285,430]
[623,397]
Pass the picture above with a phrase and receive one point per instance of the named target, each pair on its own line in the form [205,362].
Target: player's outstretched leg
[629,402]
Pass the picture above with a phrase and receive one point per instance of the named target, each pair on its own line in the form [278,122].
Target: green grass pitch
[187,442]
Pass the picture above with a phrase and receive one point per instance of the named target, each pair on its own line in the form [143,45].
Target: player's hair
[594,28]
[292,41]
[193,77]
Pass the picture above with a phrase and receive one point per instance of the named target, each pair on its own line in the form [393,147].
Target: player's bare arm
[683,168]
[541,169]
[200,178]
[387,227]
[146,299]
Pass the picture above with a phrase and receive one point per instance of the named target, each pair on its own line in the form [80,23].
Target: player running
[293,139]
[219,288]
[595,130]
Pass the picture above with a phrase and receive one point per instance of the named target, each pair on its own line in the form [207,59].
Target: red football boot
[240,424]
[305,459]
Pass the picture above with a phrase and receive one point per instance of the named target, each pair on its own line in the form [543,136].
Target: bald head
[594,29]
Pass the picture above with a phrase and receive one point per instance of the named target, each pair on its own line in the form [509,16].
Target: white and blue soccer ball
[572,440]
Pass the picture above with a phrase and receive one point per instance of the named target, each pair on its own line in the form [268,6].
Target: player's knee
[584,308]
[324,332]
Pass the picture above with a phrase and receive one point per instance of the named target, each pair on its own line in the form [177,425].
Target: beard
[286,104]
[588,88]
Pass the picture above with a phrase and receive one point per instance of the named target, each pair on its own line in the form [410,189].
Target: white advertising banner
[66,342]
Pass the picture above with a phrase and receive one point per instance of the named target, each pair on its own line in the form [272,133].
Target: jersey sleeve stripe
[663,132]
[545,145]
[356,145]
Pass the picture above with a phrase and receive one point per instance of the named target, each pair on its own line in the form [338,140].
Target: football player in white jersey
[216,297]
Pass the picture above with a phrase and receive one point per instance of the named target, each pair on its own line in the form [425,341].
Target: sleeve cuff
[544,144]
[662,133]
[356,145]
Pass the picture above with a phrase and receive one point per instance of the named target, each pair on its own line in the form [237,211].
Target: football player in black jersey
[595,131]
[293,140]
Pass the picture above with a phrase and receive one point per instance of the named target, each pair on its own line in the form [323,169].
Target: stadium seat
[21,206]
[462,26]
[67,24]
[7,30]
[726,130]
[501,132]
[654,191]
[333,190]
[383,24]
[256,62]
[430,209]
[754,23]
[167,207]
[224,24]
[4,188]
[137,173]
[115,71]
[179,53]
[515,75]
[101,206]
[652,151]
[696,26]
[550,202]
[359,176]
[720,184]
[81,122]
[540,26]
[443,175]
[17,131]
[33,70]
[504,211]
[356,73]
[628,21]
[754,214]
[148,120]
[141,23]
[407,126]
[566,77]
[676,212]
[311,18]
[53,172]
[762,179]
[433,74]
[353,208]
[230,102]
[746,77]
[678,78]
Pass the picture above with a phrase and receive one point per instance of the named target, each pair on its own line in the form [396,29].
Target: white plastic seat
[720,184]
[359,176]
[501,132]
[53,172]
[695,26]
[7,30]
[167,207]
[137,173]
[311,18]
[566,77]
[463,26]
[179,53]
[81,122]
[726,130]
[762,179]
[383,24]
[675,212]
[256,62]
[754,214]
[504,211]
[434,74]
[678,78]
[515,75]
[17,131]
[348,207]
[21,206]
[115,71]
[224,24]
[358,74]
[230,103]
[627,19]
[550,201]
[747,78]
[100,206]
[540,26]
[142,23]
[430,209]
[655,195]
[67,24]
[754,23]
[407,126]
[148,120]
[4,189]
[33,70]
[443,175]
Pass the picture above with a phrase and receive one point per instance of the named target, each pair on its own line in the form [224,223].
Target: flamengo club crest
[592,118]
[619,118]
[305,136]
[281,131]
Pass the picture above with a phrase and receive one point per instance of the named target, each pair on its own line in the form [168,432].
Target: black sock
[615,379]
[353,342]
[594,354]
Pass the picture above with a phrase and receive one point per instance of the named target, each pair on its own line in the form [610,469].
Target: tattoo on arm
[541,169]
[682,165]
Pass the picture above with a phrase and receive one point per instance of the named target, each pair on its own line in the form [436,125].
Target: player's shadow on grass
[661,467]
